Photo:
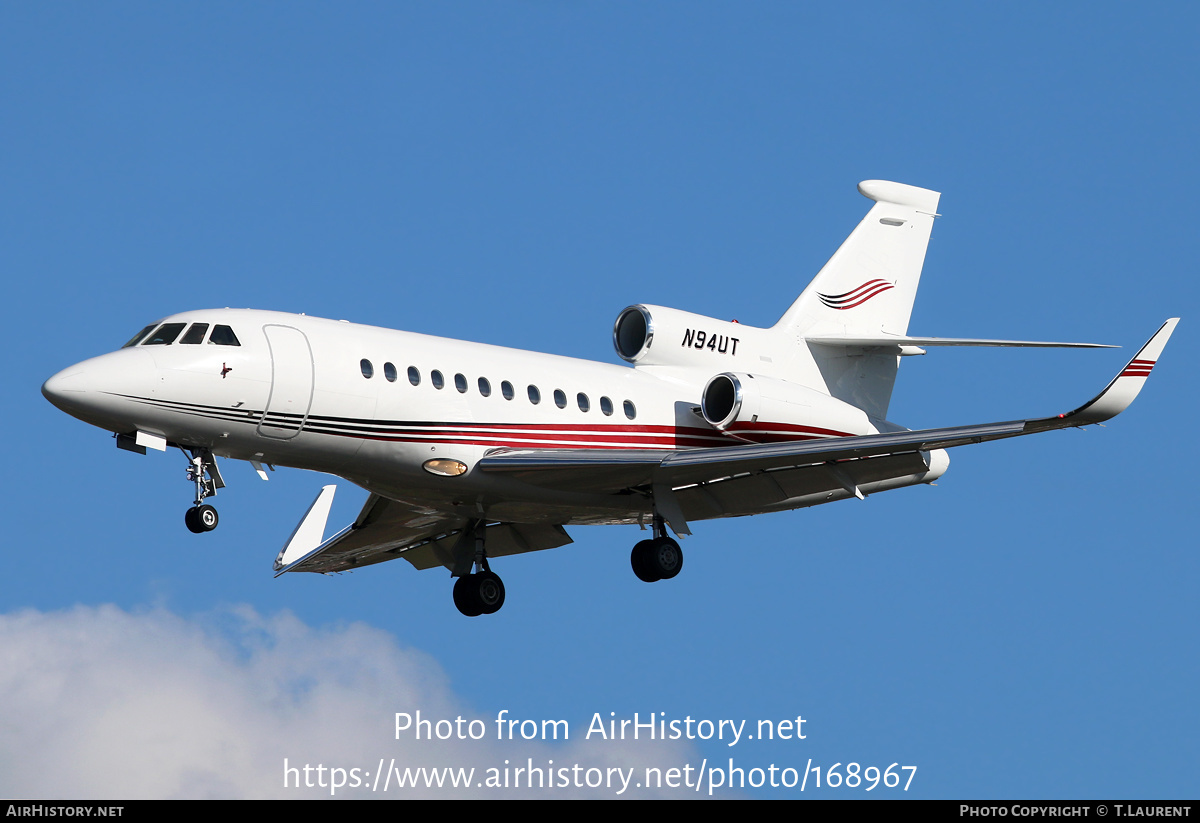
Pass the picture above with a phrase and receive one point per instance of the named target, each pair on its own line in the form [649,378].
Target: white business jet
[472,452]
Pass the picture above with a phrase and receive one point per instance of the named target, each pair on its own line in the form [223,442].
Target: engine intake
[721,400]
[757,406]
[680,338]
[633,333]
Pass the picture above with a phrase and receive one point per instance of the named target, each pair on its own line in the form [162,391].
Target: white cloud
[103,703]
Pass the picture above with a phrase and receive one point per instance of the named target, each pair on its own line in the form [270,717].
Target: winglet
[1123,388]
[309,532]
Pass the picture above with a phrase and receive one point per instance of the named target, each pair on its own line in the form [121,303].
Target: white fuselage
[294,392]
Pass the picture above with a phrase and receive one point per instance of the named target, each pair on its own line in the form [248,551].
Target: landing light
[444,467]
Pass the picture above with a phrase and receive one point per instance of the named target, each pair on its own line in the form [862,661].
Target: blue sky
[519,173]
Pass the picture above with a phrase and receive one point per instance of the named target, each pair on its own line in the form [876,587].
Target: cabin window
[535,396]
[560,398]
[389,371]
[435,377]
[133,341]
[582,400]
[460,383]
[223,336]
[195,335]
[506,389]
[606,406]
[165,335]
[414,376]
[367,369]
[485,388]
[630,411]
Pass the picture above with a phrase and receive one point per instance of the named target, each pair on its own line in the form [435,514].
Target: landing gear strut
[481,592]
[657,559]
[202,517]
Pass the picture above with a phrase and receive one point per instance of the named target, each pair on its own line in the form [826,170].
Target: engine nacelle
[659,336]
[746,404]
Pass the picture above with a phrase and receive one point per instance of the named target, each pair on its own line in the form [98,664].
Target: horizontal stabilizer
[896,340]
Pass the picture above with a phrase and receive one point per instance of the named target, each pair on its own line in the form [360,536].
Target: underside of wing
[793,487]
[390,529]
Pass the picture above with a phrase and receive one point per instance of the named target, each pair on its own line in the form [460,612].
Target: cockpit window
[223,336]
[164,335]
[133,341]
[195,334]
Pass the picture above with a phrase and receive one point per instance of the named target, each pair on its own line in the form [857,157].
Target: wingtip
[1124,388]
[308,533]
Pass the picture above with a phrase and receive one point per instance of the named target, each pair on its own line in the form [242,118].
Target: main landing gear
[657,559]
[478,590]
[202,517]
[481,592]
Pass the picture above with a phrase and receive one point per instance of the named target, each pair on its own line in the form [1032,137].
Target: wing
[687,484]
[736,480]
[386,529]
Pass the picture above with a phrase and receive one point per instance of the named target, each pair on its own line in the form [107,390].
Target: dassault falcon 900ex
[472,452]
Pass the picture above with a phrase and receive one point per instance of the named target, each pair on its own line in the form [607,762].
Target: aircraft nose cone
[67,389]
[95,391]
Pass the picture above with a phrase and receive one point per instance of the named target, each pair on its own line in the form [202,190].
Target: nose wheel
[202,517]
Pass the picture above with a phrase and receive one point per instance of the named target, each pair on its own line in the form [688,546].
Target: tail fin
[871,281]
[867,290]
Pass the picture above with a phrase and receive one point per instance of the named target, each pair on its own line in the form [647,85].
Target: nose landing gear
[202,517]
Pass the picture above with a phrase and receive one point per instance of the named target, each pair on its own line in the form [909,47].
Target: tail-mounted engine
[658,336]
[765,408]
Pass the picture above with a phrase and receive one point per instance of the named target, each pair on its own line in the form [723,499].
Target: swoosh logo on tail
[855,297]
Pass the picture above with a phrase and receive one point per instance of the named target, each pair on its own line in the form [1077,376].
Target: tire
[189,519]
[464,596]
[642,563]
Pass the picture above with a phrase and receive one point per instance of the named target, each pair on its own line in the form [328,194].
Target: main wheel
[464,596]
[665,558]
[206,517]
[642,564]
[476,594]
[489,592]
